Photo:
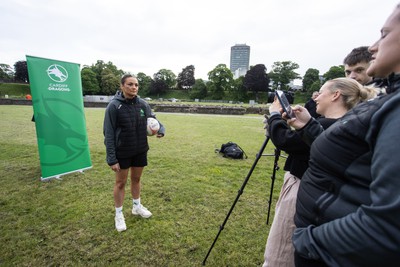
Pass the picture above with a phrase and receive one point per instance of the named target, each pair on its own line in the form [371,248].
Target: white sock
[118,210]
[136,202]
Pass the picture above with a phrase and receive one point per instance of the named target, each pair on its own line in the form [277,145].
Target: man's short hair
[357,55]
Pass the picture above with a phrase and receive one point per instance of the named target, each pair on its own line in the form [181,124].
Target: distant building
[98,98]
[240,58]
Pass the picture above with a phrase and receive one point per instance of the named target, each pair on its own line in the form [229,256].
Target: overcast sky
[149,35]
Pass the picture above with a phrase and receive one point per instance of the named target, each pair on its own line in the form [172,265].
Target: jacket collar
[120,96]
[393,83]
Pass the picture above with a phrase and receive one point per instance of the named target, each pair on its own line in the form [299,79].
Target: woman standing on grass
[125,137]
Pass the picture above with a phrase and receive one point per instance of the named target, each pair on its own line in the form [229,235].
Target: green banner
[59,116]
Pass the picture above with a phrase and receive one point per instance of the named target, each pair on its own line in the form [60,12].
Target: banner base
[58,176]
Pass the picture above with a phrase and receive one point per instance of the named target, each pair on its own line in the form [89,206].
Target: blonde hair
[351,91]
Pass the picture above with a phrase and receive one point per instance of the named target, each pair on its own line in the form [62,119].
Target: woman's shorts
[139,160]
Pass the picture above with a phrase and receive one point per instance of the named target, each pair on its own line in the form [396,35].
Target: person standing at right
[348,205]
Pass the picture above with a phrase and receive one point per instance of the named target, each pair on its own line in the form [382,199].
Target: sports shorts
[139,160]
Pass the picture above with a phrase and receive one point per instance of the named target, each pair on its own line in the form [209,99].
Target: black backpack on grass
[231,150]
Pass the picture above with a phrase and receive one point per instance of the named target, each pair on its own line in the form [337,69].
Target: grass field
[187,186]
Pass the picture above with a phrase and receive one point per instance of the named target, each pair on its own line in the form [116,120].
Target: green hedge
[14,89]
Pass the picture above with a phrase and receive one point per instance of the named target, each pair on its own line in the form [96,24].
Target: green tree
[185,78]
[99,67]
[21,71]
[220,80]
[240,91]
[334,72]
[163,81]
[282,73]
[199,90]
[6,72]
[315,86]
[310,77]
[256,79]
[117,72]
[144,83]
[158,86]
[109,82]
[167,76]
[90,85]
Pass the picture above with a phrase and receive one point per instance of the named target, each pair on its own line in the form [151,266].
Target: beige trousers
[279,250]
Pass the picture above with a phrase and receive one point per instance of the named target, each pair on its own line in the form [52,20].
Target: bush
[14,89]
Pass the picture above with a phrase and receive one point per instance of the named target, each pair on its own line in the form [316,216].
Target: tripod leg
[237,197]
[276,167]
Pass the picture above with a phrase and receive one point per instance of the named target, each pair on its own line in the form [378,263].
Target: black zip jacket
[124,128]
[284,138]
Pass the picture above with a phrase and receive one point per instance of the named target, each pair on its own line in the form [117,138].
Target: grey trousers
[279,250]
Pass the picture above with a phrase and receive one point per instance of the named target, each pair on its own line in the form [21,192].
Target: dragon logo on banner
[57,73]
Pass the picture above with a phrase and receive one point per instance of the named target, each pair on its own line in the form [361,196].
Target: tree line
[103,78]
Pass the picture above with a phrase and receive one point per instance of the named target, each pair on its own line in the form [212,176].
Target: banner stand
[59,117]
[58,177]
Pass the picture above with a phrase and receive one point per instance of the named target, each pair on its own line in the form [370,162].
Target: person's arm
[307,127]
[301,119]
[109,131]
[310,131]
[371,235]
[283,137]
[281,134]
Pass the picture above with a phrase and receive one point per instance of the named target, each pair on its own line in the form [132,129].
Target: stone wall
[11,101]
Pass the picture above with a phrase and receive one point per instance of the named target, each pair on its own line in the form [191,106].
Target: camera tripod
[276,155]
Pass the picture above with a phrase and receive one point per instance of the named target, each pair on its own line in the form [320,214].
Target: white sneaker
[120,222]
[141,210]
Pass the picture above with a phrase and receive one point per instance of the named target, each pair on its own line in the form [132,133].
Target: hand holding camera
[301,117]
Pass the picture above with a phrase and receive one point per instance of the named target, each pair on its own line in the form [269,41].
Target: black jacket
[124,128]
[289,141]
[348,206]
